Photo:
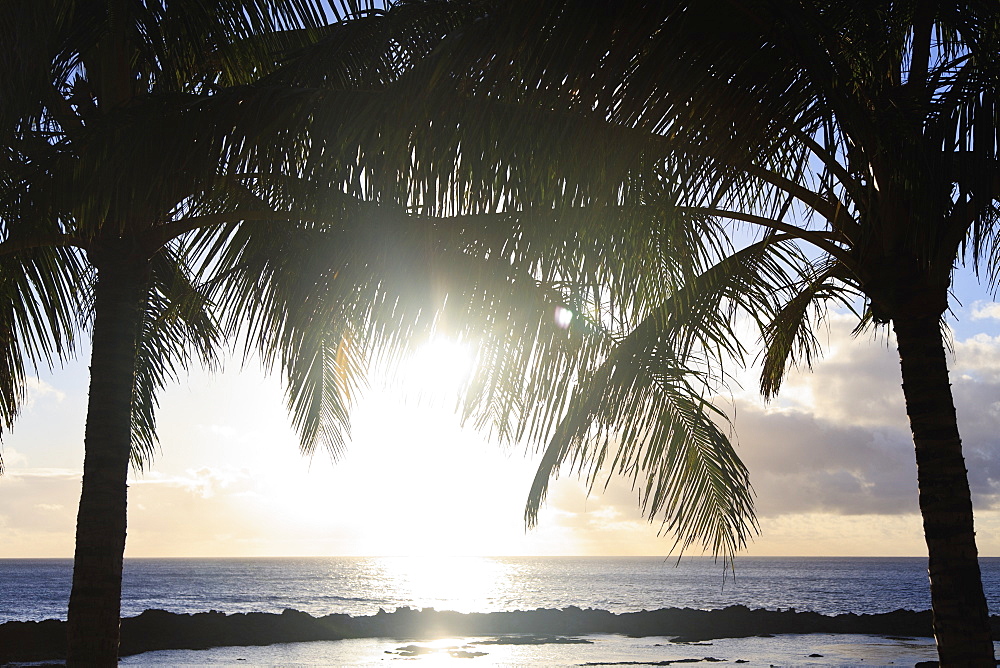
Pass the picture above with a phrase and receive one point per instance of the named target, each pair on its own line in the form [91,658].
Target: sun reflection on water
[462,584]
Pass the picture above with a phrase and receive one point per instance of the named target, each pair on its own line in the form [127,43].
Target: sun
[438,368]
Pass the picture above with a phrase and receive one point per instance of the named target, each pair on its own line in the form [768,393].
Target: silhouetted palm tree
[127,126]
[866,131]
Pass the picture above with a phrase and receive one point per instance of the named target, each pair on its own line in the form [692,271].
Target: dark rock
[536,640]
[32,641]
[464,654]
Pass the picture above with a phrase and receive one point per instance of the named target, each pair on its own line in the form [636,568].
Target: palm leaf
[177,326]
[788,338]
[642,409]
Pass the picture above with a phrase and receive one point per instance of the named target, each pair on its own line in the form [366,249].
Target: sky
[831,462]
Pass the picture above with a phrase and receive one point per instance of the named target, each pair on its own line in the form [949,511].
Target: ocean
[36,589]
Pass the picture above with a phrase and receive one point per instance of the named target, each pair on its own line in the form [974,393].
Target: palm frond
[643,409]
[177,327]
[42,290]
[788,336]
[325,370]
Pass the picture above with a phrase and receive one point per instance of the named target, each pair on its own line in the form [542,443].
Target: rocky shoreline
[159,629]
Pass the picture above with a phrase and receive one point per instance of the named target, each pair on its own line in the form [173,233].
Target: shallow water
[600,649]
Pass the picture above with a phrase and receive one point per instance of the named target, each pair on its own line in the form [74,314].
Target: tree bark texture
[960,614]
[95,599]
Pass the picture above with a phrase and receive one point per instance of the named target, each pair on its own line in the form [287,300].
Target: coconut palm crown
[865,131]
[130,128]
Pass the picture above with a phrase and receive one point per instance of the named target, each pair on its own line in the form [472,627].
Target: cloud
[205,482]
[982,310]
[37,389]
[803,463]
[843,445]
[977,358]
[37,512]
[605,520]
[51,507]
[12,459]
[836,455]
[856,383]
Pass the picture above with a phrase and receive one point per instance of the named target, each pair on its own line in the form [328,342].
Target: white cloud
[978,357]
[204,482]
[982,310]
[12,459]
[37,390]
[50,507]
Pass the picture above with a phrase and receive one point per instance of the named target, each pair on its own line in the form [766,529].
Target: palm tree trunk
[961,617]
[95,600]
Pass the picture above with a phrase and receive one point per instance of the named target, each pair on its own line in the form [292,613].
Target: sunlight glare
[462,584]
[439,368]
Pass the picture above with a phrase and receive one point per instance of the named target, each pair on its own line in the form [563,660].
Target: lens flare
[563,317]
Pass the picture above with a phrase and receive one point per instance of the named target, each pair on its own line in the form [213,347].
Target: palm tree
[126,126]
[867,132]
[177,175]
